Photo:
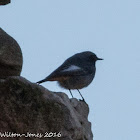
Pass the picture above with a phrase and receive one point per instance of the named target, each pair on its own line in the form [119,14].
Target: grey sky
[50,31]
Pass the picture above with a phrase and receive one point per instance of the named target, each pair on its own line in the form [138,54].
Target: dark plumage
[76,72]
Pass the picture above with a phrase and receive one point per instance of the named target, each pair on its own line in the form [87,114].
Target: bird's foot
[83,100]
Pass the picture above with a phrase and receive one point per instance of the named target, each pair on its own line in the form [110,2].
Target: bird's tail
[39,82]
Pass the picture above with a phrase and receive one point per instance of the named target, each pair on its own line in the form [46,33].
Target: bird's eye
[92,57]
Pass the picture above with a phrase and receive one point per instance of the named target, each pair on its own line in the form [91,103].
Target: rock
[4,2]
[10,56]
[28,107]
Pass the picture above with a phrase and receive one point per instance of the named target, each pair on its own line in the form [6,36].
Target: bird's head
[91,57]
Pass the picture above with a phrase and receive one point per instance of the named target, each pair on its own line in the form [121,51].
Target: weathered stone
[28,107]
[4,2]
[10,56]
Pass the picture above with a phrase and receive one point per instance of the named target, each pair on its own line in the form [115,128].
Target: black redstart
[76,72]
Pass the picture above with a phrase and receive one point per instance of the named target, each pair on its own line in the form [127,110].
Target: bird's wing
[64,72]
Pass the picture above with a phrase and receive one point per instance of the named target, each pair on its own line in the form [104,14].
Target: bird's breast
[76,82]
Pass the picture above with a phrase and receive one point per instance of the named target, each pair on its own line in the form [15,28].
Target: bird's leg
[70,93]
[81,95]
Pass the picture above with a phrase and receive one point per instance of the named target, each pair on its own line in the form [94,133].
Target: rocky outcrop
[4,2]
[10,56]
[28,108]
[30,111]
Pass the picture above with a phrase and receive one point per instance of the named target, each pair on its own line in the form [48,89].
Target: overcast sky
[50,31]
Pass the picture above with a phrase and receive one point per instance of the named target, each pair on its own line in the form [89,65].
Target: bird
[77,72]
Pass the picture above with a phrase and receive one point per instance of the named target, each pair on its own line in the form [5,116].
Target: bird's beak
[100,59]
